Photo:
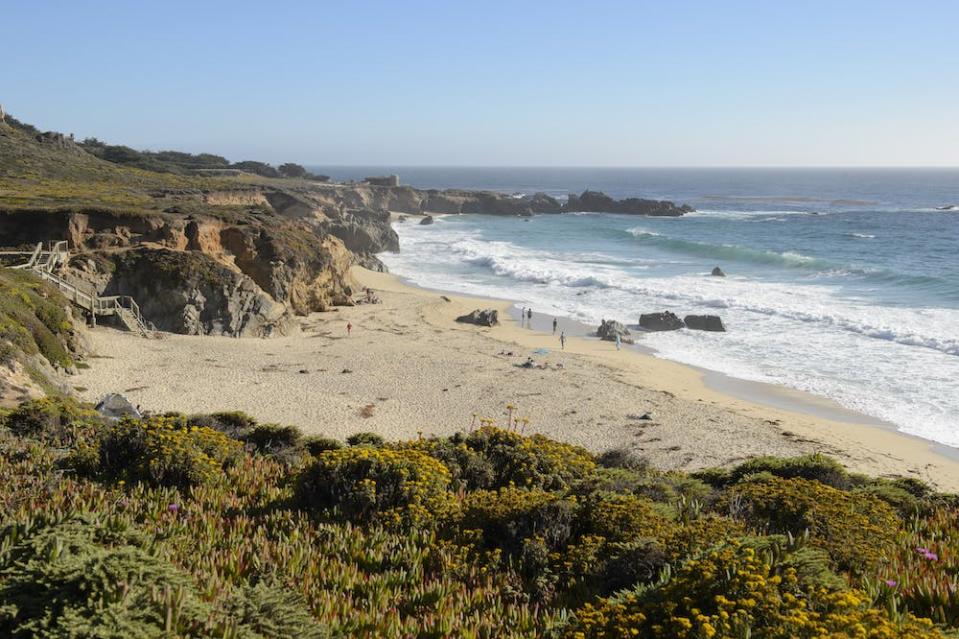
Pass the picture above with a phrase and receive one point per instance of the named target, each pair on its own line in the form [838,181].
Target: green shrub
[78,578]
[671,487]
[316,444]
[160,451]
[856,529]
[531,462]
[273,438]
[469,469]
[619,517]
[509,516]
[272,612]
[617,480]
[366,485]
[233,423]
[365,439]
[56,420]
[34,319]
[623,458]
[813,467]
[901,500]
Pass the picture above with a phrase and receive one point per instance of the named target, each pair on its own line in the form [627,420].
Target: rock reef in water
[705,323]
[599,202]
[666,321]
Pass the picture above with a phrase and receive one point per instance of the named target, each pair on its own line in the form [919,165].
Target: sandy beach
[409,368]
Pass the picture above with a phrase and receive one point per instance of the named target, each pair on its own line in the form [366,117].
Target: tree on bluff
[258,168]
[292,170]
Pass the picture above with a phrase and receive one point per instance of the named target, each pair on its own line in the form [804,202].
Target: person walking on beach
[522,317]
[554,326]
[529,318]
[618,342]
[562,340]
[349,329]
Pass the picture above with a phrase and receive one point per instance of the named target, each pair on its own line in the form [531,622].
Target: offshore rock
[666,321]
[599,202]
[705,323]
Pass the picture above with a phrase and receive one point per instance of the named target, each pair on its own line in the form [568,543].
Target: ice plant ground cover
[216,526]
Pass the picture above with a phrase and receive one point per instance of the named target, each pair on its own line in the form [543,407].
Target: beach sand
[408,368]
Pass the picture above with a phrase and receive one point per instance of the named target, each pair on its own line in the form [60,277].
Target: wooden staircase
[45,263]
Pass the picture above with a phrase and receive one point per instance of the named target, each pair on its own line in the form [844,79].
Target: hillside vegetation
[37,336]
[274,248]
[216,526]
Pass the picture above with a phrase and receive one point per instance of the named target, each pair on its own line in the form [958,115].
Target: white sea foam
[897,363]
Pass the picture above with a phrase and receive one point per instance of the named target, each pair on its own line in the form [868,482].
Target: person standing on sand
[522,317]
[349,329]
[562,340]
[554,326]
[618,342]
[529,318]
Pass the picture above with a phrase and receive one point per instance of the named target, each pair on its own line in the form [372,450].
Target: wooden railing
[45,262]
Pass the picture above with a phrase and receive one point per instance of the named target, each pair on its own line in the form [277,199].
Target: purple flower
[921,550]
[173,508]
[891,583]
[931,556]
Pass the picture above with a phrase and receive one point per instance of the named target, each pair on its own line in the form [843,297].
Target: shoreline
[817,414]
[408,369]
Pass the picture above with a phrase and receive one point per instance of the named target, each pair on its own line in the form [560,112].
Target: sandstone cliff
[228,255]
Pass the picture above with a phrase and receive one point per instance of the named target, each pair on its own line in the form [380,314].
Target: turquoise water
[841,283]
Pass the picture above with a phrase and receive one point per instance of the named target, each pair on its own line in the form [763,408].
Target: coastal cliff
[234,251]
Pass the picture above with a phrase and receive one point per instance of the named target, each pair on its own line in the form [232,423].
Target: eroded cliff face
[198,274]
[190,293]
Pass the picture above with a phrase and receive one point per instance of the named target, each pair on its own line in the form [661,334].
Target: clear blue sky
[655,83]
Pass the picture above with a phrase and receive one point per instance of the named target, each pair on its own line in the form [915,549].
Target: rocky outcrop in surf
[609,329]
[705,323]
[666,321]
[599,202]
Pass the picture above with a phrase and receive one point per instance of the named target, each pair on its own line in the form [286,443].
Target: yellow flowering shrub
[508,516]
[735,591]
[491,457]
[383,485]
[531,462]
[162,451]
[855,528]
[620,517]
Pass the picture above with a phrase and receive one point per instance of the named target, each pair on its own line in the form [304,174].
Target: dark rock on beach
[115,406]
[705,323]
[718,272]
[609,329]
[481,317]
[666,321]
[427,220]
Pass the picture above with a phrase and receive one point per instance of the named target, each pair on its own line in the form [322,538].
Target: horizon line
[644,167]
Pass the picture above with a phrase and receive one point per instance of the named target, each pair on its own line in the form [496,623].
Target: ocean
[840,282]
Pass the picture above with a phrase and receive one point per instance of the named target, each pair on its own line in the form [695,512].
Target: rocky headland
[232,251]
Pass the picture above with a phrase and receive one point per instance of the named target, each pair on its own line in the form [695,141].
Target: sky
[521,83]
